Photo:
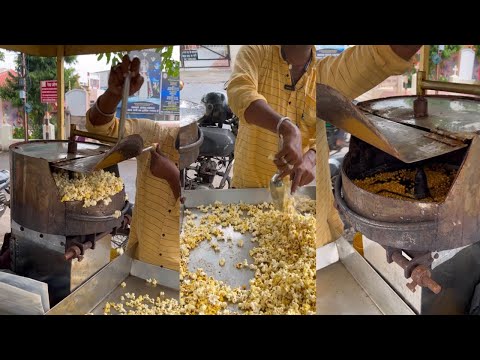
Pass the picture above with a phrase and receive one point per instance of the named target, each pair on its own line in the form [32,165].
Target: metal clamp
[76,250]
[416,269]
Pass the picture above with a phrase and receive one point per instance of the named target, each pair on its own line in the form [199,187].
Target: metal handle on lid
[123,114]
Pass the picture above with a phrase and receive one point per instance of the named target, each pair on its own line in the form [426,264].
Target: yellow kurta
[261,73]
[156,214]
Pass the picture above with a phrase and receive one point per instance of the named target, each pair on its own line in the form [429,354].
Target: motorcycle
[216,157]
[4,191]
[4,203]
[338,143]
[337,138]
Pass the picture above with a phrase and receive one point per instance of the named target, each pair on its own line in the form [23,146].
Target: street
[200,82]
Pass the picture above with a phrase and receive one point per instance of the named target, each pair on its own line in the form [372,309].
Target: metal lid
[456,115]
[389,123]
[56,150]
[127,148]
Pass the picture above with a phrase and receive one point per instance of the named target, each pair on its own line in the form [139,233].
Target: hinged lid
[127,148]
[389,123]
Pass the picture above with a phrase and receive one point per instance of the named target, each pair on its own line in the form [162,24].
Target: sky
[85,63]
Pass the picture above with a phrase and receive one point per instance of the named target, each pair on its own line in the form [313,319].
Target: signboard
[48,91]
[170,95]
[204,56]
[329,50]
[190,54]
[147,99]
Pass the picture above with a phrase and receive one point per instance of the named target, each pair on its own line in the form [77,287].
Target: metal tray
[203,256]
[348,285]
[104,286]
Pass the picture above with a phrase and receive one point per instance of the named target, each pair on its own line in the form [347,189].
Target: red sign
[48,91]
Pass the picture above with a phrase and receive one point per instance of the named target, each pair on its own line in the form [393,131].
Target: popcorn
[144,305]
[283,259]
[283,265]
[93,188]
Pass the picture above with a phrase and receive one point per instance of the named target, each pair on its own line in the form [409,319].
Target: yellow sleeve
[242,87]
[151,131]
[132,126]
[360,68]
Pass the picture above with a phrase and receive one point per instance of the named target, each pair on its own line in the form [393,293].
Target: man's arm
[101,120]
[164,168]
[103,112]
[246,102]
[362,67]
[406,52]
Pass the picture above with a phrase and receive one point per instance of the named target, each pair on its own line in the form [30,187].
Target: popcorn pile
[284,261]
[91,189]
[143,305]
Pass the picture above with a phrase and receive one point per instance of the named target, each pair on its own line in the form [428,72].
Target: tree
[2,56]
[172,67]
[447,52]
[38,69]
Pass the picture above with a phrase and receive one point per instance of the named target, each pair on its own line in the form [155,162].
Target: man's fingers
[117,73]
[297,178]
[137,83]
[125,64]
[281,154]
[289,155]
[286,170]
[135,67]
[292,158]
[154,150]
[308,179]
[280,163]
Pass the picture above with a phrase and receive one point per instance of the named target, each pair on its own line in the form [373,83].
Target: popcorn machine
[411,234]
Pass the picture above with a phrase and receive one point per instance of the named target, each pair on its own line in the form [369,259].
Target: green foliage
[446,54]
[2,56]
[19,133]
[38,69]
[169,65]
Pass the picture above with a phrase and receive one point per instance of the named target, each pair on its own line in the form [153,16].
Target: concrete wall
[233,53]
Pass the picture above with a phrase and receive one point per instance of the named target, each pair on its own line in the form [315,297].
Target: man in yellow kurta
[155,221]
[273,89]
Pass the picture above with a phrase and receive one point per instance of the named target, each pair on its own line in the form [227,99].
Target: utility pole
[23,93]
